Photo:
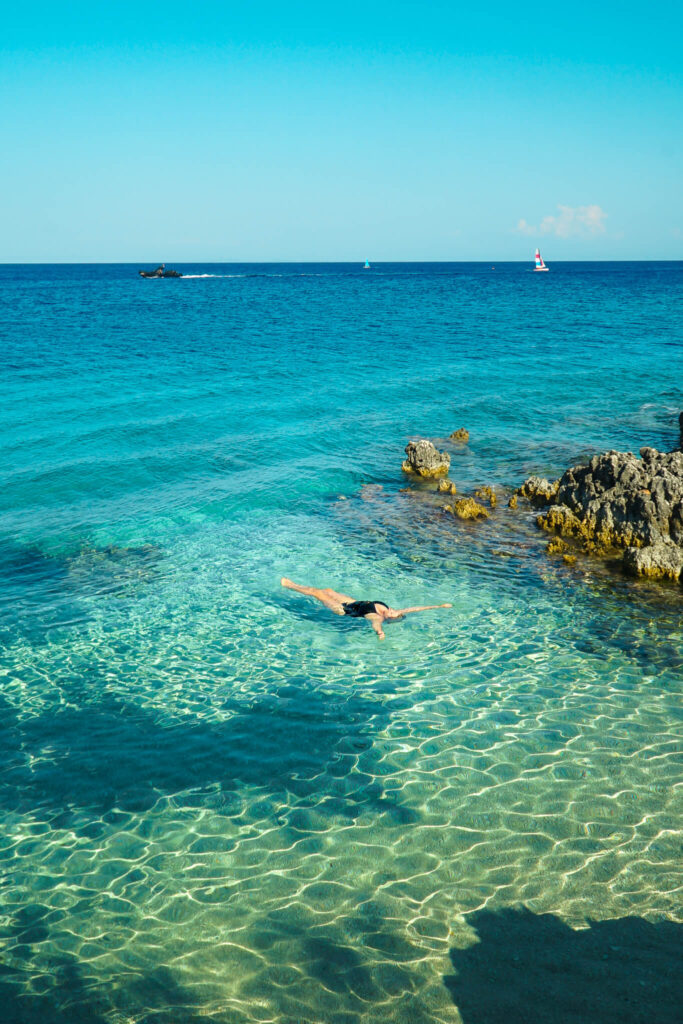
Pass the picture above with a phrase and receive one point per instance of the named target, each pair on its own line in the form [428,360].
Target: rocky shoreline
[617,507]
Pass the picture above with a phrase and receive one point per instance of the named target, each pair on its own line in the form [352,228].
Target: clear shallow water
[220,801]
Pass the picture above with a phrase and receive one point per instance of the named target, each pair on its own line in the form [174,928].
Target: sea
[222,803]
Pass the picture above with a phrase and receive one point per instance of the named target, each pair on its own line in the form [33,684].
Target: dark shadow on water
[534,969]
[40,592]
[110,754]
[340,969]
[66,995]
[34,593]
[67,999]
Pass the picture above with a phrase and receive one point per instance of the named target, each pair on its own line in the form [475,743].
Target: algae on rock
[460,435]
[467,508]
[487,493]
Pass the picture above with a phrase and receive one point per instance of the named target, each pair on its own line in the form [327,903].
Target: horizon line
[125,263]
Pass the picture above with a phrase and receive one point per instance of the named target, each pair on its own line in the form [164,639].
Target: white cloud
[569,221]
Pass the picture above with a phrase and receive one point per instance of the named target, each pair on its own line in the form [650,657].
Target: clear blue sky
[397,131]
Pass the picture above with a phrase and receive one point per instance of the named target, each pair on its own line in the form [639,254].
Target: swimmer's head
[389,613]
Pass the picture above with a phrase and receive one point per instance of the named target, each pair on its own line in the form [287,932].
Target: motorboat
[159,272]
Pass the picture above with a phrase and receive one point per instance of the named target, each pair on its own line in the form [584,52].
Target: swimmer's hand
[376,623]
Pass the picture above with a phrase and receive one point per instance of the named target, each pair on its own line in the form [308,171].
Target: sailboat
[540,265]
[367,266]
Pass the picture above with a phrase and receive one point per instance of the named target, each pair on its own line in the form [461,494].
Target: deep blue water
[219,800]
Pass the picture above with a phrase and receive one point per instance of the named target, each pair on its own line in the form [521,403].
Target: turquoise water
[221,802]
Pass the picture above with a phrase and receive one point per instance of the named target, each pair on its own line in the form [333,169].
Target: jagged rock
[538,490]
[619,501]
[557,546]
[661,560]
[512,503]
[569,559]
[424,460]
[633,502]
[447,487]
[487,494]
[464,435]
[468,508]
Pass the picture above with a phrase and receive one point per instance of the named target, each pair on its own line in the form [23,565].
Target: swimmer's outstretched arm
[422,608]
[376,623]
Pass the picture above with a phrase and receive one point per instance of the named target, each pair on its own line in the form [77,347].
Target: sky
[198,132]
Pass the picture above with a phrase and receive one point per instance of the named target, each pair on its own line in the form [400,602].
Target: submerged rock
[487,494]
[619,502]
[463,435]
[425,460]
[112,565]
[447,487]
[512,503]
[371,492]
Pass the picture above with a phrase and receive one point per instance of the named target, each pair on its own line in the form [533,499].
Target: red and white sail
[540,265]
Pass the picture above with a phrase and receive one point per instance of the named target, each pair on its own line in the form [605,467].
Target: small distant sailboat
[367,265]
[540,265]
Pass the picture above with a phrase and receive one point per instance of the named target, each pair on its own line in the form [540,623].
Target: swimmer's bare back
[376,612]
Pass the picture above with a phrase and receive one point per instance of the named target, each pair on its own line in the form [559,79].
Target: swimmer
[376,612]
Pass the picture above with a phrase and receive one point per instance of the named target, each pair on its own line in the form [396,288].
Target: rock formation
[660,560]
[447,487]
[424,460]
[538,490]
[467,508]
[619,503]
[464,435]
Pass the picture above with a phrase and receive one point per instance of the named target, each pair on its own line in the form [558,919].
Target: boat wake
[189,277]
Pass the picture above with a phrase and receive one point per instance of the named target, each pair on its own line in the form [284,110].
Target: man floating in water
[376,612]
